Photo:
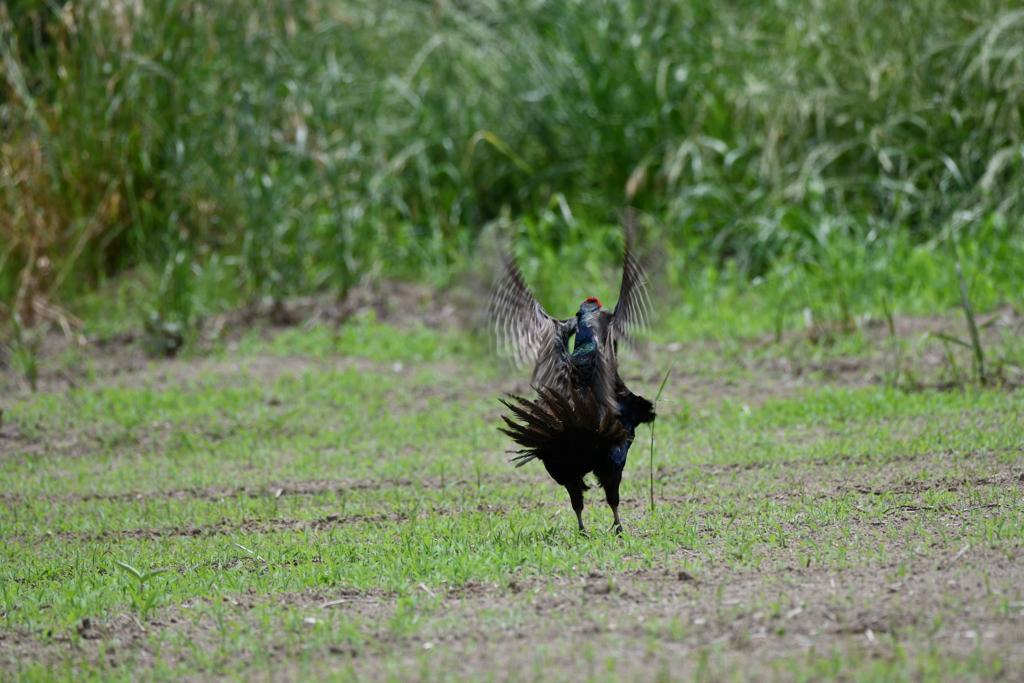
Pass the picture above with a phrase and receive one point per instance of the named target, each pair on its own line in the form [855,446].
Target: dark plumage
[584,417]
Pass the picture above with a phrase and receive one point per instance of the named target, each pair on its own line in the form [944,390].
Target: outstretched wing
[634,305]
[630,313]
[526,334]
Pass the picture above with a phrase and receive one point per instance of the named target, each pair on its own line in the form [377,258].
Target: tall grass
[305,144]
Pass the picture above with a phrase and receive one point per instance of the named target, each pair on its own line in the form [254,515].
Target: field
[248,413]
[317,503]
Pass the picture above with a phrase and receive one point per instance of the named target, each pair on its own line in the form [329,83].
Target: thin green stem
[656,399]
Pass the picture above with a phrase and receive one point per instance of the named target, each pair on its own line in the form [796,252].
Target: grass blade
[130,569]
[656,399]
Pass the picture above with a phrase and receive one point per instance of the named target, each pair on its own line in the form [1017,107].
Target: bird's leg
[576,498]
[617,524]
[611,494]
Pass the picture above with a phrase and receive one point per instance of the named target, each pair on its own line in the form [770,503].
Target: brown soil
[67,361]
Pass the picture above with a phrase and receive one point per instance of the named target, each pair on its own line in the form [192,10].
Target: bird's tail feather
[521,460]
[557,427]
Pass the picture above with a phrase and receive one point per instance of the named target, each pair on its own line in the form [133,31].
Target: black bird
[584,417]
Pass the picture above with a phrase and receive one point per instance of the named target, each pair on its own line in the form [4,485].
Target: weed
[144,598]
[25,351]
[979,356]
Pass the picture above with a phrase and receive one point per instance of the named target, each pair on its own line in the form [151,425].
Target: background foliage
[831,153]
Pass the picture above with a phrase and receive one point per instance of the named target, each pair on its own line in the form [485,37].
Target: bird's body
[584,418]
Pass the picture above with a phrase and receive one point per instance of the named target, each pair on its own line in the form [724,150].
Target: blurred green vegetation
[800,152]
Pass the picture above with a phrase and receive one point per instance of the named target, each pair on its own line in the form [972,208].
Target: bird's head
[588,308]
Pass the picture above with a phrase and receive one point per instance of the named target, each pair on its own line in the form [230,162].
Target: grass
[831,153]
[183,525]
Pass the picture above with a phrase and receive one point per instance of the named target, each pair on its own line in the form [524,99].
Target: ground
[335,502]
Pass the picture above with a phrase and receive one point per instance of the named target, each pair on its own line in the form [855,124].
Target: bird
[584,418]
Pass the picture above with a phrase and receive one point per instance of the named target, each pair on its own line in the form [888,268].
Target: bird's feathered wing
[634,305]
[630,314]
[526,334]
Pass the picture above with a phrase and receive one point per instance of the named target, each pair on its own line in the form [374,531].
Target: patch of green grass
[368,339]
